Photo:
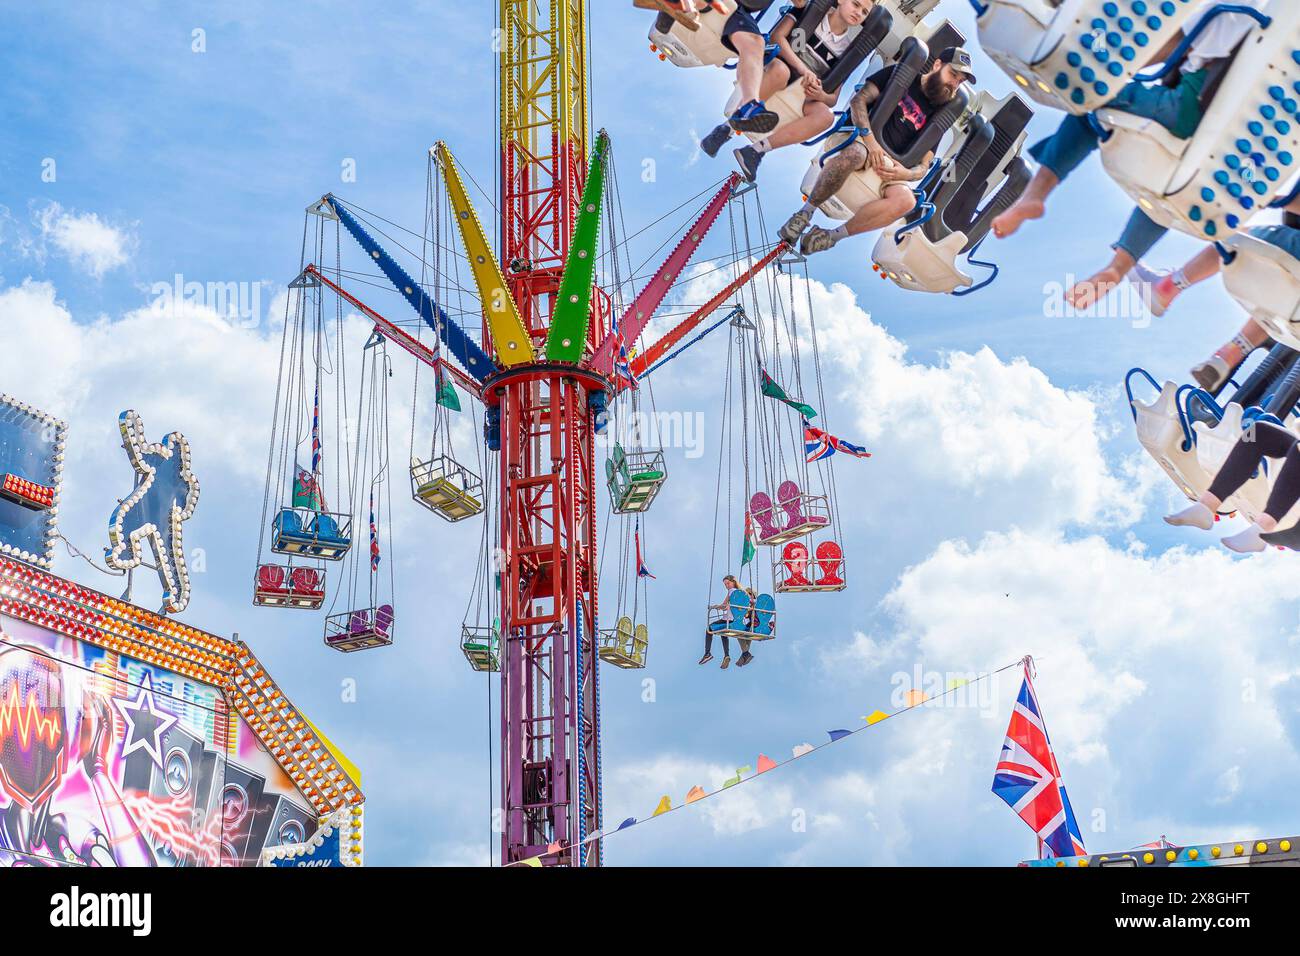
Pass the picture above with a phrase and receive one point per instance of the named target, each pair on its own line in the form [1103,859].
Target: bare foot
[1021,211]
[1089,292]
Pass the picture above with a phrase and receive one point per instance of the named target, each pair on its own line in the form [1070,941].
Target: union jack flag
[1028,778]
[374,536]
[818,444]
[641,570]
[623,363]
[315,433]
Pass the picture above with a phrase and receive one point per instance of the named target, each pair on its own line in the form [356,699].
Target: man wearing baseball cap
[898,133]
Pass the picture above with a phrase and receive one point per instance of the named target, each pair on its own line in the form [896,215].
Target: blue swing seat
[317,534]
[740,619]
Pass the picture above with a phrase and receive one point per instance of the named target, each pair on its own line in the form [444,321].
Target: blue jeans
[1284,237]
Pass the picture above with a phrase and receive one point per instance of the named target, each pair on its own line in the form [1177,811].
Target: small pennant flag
[641,570]
[374,536]
[765,763]
[697,793]
[665,805]
[740,771]
[629,822]
[447,396]
[875,717]
[837,734]
[818,444]
[802,749]
[771,389]
[306,490]
[623,362]
[554,848]
[315,433]
[915,698]
[750,547]
[532,861]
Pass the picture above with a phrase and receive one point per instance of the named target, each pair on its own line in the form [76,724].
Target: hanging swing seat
[318,534]
[625,645]
[1166,434]
[285,586]
[446,487]
[481,647]
[795,573]
[739,619]
[360,630]
[794,514]
[634,479]
[1265,281]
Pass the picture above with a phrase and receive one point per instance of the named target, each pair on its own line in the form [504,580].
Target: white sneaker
[1246,542]
[1212,373]
[1196,515]
[1144,280]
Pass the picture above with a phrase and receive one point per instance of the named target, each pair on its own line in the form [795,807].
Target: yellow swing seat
[625,645]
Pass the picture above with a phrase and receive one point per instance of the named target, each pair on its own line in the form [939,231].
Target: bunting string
[764,764]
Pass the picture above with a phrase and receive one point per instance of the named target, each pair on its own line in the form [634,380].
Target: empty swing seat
[447,488]
[1163,430]
[738,619]
[317,534]
[1265,281]
[280,586]
[634,479]
[684,47]
[625,645]
[481,647]
[360,630]
[796,572]
[1076,55]
[794,514]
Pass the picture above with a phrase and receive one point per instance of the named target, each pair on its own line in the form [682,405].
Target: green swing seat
[625,645]
[481,647]
[634,480]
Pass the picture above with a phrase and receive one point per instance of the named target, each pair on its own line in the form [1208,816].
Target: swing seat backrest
[760,509]
[795,558]
[738,602]
[383,618]
[790,498]
[270,577]
[288,522]
[764,614]
[359,622]
[829,558]
[624,629]
[325,528]
[304,580]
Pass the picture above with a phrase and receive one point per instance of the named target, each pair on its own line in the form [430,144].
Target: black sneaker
[726,662]
[745,658]
[713,143]
[748,158]
[706,658]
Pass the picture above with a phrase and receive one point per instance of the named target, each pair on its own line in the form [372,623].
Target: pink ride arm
[652,296]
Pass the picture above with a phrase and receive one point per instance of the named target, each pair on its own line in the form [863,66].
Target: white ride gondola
[1265,281]
[682,46]
[1076,55]
[978,178]
[1245,148]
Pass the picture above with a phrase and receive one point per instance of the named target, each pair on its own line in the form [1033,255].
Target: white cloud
[87,241]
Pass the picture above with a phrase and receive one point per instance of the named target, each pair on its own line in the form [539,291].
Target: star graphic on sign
[145,724]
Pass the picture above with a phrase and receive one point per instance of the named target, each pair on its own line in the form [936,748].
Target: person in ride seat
[1261,440]
[805,56]
[751,622]
[1176,107]
[1160,288]
[928,94]
[730,583]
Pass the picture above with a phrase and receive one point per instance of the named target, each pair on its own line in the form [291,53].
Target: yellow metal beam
[509,337]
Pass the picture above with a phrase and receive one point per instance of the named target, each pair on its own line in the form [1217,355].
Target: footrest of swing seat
[746,635]
[358,641]
[621,658]
[811,587]
[797,531]
[647,478]
[637,497]
[443,497]
[1287,538]
[481,658]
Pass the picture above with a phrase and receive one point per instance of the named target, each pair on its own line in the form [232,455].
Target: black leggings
[1263,440]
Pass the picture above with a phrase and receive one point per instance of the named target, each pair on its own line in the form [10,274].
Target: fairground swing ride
[562,367]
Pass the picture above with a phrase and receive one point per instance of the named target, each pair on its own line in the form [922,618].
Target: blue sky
[1007,510]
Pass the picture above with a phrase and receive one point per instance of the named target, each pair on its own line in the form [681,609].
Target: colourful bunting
[802,749]
[697,793]
[665,805]
[532,861]
[629,822]
[957,682]
[875,717]
[736,779]
[916,698]
[765,763]
[837,734]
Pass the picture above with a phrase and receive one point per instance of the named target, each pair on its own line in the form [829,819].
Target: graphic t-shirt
[903,127]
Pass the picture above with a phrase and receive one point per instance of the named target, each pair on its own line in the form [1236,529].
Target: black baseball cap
[960,60]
